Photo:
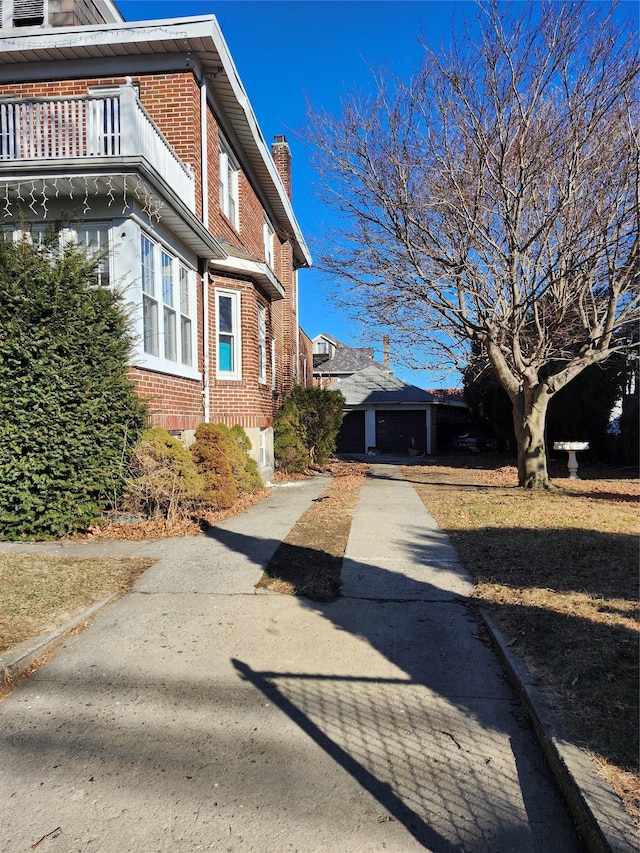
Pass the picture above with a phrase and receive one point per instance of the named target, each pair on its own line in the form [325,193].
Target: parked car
[474,442]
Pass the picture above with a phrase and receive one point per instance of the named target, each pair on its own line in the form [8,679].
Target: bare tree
[492,199]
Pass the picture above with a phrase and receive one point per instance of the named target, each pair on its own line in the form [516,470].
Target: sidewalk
[197,713]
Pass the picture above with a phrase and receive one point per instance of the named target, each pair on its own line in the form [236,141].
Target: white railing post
[129,121]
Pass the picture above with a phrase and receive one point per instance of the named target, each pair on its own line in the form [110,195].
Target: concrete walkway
[199,714]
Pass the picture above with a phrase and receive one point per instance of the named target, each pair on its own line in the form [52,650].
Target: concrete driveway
[200,714]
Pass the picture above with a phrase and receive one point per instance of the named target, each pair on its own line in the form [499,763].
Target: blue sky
[288,51]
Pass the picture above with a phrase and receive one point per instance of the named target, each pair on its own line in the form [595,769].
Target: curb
[602,822]
[15,662]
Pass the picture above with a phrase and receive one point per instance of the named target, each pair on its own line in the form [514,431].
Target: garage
[400,431]
[351,436]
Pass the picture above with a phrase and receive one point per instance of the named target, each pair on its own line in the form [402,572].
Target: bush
[68,413]
[221,456]
[306,427]
[290,453]
[165,482]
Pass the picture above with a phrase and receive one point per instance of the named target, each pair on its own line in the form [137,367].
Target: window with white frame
[228,334]
[167,304]
[151,331]
[228,183]
[268,242]
[262,453]
[186,330]
[91,236]
[262,343]
[94,237]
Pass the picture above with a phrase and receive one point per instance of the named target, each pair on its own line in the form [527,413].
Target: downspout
[204,170]
[205,343]
[295,279]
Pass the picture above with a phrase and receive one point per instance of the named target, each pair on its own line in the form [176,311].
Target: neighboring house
[383,414]
[141,137]
[324,345]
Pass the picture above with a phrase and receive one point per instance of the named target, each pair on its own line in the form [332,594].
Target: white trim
[262,344]
[235,334]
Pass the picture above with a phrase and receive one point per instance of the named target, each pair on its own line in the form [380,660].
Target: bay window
[167,305]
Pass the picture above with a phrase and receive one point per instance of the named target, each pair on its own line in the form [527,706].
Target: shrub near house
[173,482]
[68,413]
[306,427]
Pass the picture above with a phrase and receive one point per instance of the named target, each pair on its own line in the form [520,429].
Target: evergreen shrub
[164,481]
[221,456]
[306,427]
[69,415]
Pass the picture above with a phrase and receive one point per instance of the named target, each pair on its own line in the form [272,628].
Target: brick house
[140,138]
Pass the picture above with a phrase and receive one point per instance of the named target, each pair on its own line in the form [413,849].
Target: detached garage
[351,436]
[385,413]
[399,432]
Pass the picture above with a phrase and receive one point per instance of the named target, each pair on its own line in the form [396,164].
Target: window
[166,291]
[95,238]
[228,333]
[185,318]
[262,452]
[168,310]
[268,243]
[262,343]
[228,183]
[149,300]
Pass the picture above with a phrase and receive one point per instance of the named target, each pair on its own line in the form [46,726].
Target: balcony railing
[88,127]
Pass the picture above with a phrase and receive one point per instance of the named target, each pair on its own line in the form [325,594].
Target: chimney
[282,158]
[385,351]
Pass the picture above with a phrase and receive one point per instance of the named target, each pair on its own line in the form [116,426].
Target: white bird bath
[571,447]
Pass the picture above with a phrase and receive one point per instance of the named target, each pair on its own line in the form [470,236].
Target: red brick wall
[173,101]
[175,403]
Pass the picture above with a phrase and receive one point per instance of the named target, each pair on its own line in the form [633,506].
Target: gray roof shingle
[376,384]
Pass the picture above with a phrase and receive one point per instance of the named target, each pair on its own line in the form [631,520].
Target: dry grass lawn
[41,593]
[558,572]
[309,561]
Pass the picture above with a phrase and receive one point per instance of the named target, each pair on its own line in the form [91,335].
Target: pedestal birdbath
[571,447]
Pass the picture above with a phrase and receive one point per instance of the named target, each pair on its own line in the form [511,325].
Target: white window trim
[158,361]
[262,449]
[228,183]
[262,344]
[236,308]
[269,237]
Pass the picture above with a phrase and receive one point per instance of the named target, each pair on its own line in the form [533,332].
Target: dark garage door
[396,432]
[351,435]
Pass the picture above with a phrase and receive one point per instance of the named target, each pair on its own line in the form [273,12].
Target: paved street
[200,714]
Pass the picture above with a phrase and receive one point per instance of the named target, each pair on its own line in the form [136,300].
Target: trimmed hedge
[68,413]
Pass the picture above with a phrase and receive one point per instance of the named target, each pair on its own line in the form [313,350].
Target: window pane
[185,339]
[184,291]
[225,313]
[167,279]
[150,325]
[95,238]
[170,334]
[225,353]
[262,343]
[148,272]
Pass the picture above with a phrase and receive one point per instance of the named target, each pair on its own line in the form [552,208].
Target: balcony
[95,133]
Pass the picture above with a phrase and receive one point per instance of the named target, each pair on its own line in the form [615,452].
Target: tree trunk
[529,419]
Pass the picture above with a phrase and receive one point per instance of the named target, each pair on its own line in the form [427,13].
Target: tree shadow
[602,565]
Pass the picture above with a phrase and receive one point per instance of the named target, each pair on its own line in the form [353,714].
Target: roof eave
[199,39]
